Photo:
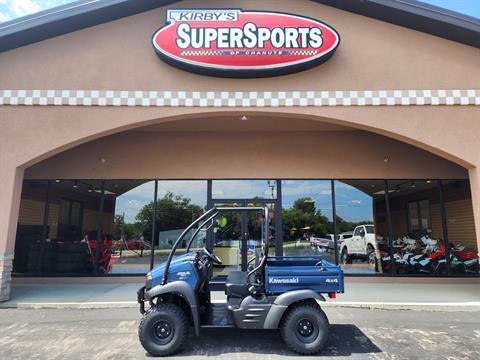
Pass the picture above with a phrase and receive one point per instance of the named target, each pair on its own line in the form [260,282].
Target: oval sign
[236,43]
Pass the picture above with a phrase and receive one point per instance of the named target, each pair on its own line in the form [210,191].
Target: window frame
[419,215]
[70,202]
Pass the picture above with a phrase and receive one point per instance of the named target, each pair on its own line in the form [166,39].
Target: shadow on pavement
[344,340]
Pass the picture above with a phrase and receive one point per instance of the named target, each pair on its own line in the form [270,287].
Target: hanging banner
[242,44]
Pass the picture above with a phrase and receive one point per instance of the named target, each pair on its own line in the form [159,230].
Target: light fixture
[412,185]
[386,159]
[57,180]
[102,160]
[90,188]
[75,184]
[243,118]
[428,181]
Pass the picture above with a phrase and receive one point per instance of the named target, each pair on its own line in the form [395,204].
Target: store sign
[236,43]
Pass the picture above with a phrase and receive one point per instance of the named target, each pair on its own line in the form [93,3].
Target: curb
[418,306]
[433,307]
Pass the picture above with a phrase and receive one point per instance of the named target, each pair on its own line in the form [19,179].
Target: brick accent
[5,276]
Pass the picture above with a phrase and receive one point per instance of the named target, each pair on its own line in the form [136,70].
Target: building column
[474,175]
[11,180]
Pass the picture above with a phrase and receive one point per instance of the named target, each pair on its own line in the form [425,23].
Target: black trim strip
[69,18]
[417,16]
[85,13]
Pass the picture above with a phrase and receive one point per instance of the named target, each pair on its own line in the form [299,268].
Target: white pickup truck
[361,245]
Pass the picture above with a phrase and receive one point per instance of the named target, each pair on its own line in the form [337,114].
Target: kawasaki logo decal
[237,43]
[293,280]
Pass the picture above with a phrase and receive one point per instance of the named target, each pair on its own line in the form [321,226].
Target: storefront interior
[425,226]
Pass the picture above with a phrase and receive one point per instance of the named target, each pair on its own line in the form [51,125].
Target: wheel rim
[162,332]
[307,331]
[344,256]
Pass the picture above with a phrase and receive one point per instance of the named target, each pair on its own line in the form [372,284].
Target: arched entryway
[322,172]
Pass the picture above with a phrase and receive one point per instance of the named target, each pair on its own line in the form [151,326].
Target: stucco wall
[118,56]
[202,155]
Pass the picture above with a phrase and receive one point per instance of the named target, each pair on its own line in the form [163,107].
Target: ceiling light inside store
[428,181]
[412,185]
[106,192]
[243,118]
[75,184]
[386,159]
[102,160]
[57,181]
[90,188]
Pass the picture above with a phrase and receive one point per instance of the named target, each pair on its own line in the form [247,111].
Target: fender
[183,289]
[283,301]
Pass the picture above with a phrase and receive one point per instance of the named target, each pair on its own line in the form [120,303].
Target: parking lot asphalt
[354,334]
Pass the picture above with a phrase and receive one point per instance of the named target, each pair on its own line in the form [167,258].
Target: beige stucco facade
[65,141]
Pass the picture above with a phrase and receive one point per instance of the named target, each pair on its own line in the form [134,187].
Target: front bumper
[141,299]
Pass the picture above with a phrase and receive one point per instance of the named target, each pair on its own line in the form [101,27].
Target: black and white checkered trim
[302,52]
[239,98]
[202,53]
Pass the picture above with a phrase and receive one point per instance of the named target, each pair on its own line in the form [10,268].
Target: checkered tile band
[239,98]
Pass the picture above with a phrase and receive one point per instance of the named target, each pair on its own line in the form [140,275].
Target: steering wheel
[215,259]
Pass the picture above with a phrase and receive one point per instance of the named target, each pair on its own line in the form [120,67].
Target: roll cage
[206,221]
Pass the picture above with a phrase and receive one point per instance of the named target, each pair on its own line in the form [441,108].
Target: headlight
[148,282]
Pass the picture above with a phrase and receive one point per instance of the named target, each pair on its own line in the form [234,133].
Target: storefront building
[368,155]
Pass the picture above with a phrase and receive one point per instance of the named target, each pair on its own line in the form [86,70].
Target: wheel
[163,330]
[305,329]
[344,257]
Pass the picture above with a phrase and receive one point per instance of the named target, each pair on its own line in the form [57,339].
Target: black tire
[305,328]
[164,317]
[77,267]
[73,248]
[70,257]
[344,257]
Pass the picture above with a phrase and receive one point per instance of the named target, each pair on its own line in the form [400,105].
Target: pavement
[425,294]
[354,334]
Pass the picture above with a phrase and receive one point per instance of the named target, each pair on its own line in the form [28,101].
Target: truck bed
[287,273]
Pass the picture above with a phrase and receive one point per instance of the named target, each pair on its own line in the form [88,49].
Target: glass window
[307,218]
[361,211]
[461,227]
[418,241]
[358,231]
[30,228]
[244,189]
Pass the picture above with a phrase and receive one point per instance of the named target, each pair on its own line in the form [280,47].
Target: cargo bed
[287,273]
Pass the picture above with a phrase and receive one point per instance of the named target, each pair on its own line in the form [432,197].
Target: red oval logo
[236,43]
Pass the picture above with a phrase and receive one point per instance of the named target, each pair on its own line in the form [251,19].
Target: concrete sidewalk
[380,293]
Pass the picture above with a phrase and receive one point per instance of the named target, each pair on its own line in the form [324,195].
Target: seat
[236,284]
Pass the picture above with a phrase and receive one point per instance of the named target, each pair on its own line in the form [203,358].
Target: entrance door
[237,235]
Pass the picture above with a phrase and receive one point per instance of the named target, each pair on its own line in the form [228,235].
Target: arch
[341,118]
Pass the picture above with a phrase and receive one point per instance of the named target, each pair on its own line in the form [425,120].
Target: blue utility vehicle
[277,292]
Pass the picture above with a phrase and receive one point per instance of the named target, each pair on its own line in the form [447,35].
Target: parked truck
[361,245]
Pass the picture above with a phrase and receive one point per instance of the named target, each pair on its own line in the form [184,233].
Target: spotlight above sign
[243,44]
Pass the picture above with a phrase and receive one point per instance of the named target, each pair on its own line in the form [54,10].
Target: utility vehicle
[277,292]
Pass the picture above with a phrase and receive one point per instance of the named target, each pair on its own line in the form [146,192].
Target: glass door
[237,235]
